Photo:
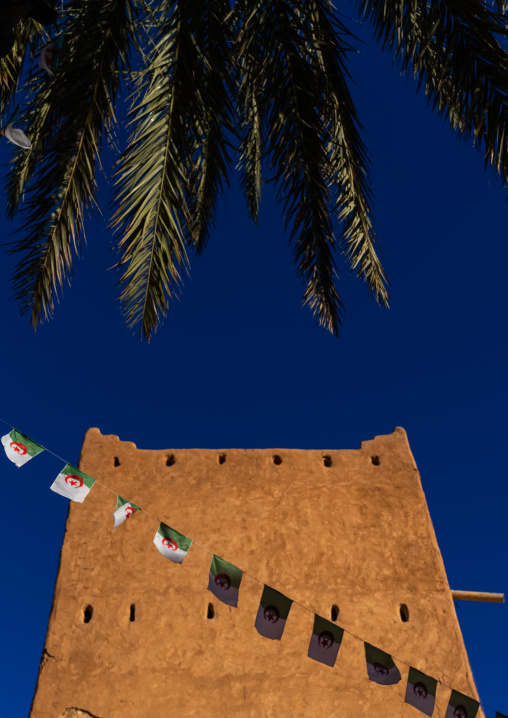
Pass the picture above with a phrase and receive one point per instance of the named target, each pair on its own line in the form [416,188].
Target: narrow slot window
[404,613]
[132,616]
[87,614]
[170,460]
[335,613]
[116,461]
[210,613]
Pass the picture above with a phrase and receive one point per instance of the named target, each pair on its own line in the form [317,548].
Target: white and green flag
[72,483]
[224,581]
[272,613]
[50,55]
[421,691]
[461,706]
[17,136]
[171,544]
[380,666]
[124,509]
[325,641]
[19,448]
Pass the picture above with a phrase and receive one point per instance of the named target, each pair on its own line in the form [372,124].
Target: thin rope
[246,573]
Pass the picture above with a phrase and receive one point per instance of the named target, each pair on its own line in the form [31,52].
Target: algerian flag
[72,483]
[461,706]
[124,509]
[50,54]
[272,613]
[380,666]
[224,581]
[421,691]
[325,641]
[171,544]
[17,136]
[19,448]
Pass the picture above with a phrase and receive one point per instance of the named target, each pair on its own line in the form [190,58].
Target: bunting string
[377,660]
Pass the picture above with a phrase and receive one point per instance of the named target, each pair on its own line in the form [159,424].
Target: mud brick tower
[346,533]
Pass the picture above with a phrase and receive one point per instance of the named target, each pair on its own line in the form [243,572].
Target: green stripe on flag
[321,625]
[376,655]
[459,699]
[182,541]
[32,447]
[121,502]
[70,470]
[271,597]
[415,677]
[219,566]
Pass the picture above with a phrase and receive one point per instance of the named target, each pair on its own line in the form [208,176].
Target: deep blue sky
[239,363]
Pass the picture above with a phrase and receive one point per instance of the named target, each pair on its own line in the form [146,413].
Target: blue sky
[239,363]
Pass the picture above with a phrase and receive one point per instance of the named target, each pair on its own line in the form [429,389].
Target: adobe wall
[356,534]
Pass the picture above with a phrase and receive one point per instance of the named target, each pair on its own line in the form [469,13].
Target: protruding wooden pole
[477,596]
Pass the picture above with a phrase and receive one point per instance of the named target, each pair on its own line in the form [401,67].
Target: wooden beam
[478,596]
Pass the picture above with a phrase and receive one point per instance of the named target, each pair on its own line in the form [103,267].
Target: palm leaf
[250,120]
[38,115]
[348,157]
[152,176]
[297,141]
[452,49]
[77,110]
[211,127]
[171,173]
[290,55]
[26,32]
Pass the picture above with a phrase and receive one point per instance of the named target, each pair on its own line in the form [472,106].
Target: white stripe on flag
[122,514]
[46,59]
[165,547]
[14,451]
[323,649]
[70,488]
[226,593]
[268,625]
[16,136]
[382,675]
[417,695]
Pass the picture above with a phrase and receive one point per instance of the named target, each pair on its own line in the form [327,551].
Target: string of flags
[274,607]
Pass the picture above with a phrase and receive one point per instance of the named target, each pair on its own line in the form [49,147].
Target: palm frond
[251,78]
[153,216]
[297,138]
[177,161]
[501,6]
[210,129]
[37,115]
[292,56]
[348,157]
[451,47]
[26,33]
[77,109]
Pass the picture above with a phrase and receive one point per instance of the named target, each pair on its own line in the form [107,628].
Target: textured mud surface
[346,530]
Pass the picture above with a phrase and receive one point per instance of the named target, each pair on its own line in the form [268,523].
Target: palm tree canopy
[260,85]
